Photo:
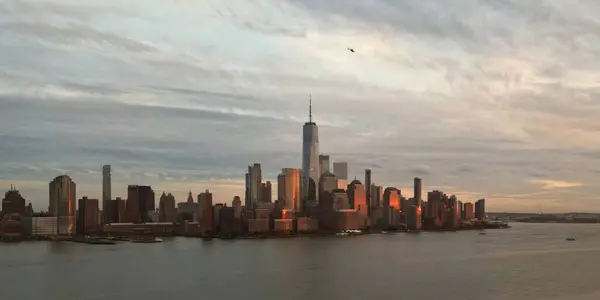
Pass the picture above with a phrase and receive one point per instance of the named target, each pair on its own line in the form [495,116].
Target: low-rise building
[258,225]
[283,225]
[306,224]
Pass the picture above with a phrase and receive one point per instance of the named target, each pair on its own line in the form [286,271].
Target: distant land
[572,217]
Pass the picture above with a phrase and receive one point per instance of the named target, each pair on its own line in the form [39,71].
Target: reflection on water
[529,261]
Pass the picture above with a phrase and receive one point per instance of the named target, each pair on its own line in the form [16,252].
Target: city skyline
[502,112]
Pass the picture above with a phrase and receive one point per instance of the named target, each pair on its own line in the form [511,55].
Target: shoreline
[272,235]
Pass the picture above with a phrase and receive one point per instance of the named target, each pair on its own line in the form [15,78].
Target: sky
[482,99]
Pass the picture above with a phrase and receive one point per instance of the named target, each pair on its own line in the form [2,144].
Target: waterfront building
[140,204]
[87,217]
[348,219]
[247,196]
[469,211]
[63,197]
[236,204]
[12,226]
[116,211]
[480,209]
[391,206]
[358,200]
[306,224]
[257,226]
[405,204]
[227,222]
[283,225]
[310,153]
[216,213]
[254,186]
[413,219]
[417,193]
[106,193]
[13,202]
[189,209]
[44,226]
[292,190]
[368,190]
[453,212]
[166,207]
[205,212]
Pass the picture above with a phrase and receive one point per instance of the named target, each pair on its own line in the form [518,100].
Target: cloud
[480,99]
[555,184]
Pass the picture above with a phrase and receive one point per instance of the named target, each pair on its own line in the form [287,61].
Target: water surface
[528,261]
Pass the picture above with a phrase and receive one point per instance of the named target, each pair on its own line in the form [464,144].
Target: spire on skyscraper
[310,108]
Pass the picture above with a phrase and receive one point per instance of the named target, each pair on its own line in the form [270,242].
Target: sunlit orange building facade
[291,191]
[63,203]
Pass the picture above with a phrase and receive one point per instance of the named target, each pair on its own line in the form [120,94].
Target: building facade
[63,203]
[166,208]
[323,163]
[340,170]
[292,189]
[88,221]
[140,203]
[13,202]
[106,193]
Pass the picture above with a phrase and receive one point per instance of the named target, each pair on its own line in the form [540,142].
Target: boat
[482,233]
[570,239]
[118,238]
[93,240]
[147,240]
[384,232]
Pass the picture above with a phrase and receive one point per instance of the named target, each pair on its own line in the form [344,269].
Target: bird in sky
[351,50]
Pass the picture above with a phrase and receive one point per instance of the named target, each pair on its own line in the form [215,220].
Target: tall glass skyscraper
[310,158]
[106,192]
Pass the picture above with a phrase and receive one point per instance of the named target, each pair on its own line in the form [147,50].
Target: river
[528,261]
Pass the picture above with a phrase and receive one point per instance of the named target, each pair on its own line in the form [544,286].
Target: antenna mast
[310,108]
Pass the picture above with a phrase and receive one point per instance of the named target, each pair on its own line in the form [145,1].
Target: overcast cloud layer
[495,99]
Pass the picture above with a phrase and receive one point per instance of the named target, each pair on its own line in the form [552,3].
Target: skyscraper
[417,192]
[266,192]
[323,164]
[247,198]
[254,186]
[376,195]
[291,197]
[166,208]
[340,170]
[63,205]
[236,203]
[280,187]
[87,217]
[13,202]
[140,201]
[368,189]
[480,209]
[205,217]
[106,193]
[327,183]
[310,152]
